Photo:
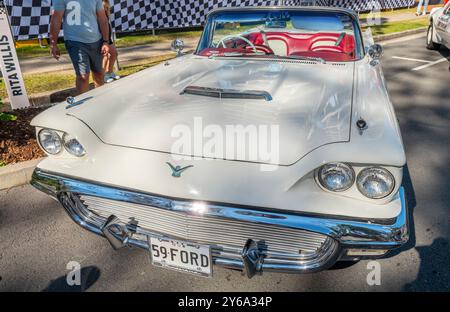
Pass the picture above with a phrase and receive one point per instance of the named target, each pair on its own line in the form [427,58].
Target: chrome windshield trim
[348,233]
[285,7]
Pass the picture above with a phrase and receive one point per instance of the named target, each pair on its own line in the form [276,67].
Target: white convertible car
[439,29]
[323,185]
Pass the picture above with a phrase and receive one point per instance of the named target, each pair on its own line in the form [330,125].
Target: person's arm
[55,28]
[104,29]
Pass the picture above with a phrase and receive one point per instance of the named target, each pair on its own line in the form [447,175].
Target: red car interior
[329,46]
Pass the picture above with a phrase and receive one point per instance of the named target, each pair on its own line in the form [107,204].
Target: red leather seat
[314,45]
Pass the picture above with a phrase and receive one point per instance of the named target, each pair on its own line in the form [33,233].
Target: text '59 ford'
[274,147]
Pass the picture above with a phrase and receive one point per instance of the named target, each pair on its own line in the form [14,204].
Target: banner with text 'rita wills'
[9,64]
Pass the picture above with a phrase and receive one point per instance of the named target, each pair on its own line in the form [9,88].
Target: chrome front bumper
[347,239]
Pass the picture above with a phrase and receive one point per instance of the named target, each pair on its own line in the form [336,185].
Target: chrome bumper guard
[351,239]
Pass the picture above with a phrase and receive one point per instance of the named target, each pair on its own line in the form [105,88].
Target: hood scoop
[228,93]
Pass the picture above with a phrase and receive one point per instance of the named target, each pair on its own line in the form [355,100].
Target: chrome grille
[214,231]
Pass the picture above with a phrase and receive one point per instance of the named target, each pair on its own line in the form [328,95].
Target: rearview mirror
[177,46]
[276,24]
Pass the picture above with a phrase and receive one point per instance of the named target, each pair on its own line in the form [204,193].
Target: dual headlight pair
[372,182]
[53,144]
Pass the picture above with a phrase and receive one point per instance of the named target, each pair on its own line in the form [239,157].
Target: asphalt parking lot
[38,239]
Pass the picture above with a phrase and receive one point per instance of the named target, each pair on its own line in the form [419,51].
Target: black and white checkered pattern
[2,7]
[306,2]
[31,18]
[130,15]
[367,5]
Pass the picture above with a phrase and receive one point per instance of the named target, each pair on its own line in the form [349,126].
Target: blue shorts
[85,56]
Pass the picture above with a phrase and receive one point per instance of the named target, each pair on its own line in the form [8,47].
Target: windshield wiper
[232,54]
[303,58]
[293,57]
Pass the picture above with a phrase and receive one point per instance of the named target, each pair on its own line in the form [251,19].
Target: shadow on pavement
[343,265]
[89,275]
[434,271]
[445,53]
[424,120]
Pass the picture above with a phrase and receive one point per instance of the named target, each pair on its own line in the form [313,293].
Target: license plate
[181,256]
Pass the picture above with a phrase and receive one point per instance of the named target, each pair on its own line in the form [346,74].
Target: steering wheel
[222,41]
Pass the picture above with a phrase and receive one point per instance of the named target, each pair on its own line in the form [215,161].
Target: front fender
[434,13]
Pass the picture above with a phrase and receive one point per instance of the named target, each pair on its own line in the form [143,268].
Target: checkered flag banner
[367,5]
[129,15]
[31,18]
[356,5]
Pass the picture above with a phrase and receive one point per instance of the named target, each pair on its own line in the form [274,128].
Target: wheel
[431,45]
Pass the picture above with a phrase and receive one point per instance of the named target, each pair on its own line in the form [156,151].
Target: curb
[401,34]
[17,174]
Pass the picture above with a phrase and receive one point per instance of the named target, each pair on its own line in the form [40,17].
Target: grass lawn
[37,83]
[34,50]
[393,27]
[134,40]
[392,12]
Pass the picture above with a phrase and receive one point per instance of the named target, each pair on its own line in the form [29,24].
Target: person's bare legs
[82,83]
[105,63]
[98,79]
[110,59]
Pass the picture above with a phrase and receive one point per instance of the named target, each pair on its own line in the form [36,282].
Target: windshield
[326,36]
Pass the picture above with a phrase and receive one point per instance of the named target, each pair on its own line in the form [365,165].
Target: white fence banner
[9,64]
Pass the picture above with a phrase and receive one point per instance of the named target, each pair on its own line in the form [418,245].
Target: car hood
[309,106]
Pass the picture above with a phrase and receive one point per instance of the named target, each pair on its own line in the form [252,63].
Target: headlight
[50,141]
[73,146]
[375,182]
[336,177]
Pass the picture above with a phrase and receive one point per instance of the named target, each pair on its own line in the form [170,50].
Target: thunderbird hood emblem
[177,170]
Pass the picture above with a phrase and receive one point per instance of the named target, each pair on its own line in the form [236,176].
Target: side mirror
[375,52]
[177,46]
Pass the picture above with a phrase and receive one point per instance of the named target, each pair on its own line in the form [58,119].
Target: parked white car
[332,190]
[439,29]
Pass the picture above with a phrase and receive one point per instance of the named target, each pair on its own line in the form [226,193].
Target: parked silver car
[439,29]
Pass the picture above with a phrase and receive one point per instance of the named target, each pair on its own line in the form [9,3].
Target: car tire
[431,45]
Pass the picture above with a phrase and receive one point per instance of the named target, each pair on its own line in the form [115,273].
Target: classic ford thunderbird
[273,147]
